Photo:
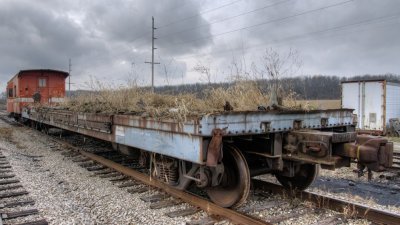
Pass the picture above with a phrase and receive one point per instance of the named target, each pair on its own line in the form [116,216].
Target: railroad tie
[80,160]
[38,222]
[5,167]
[105,171]
[13,194]
[165,203]
[4,182]
[88,164]
[183,212]
[154,198]
[96,168]
[7,176]
[138,190]
[202,221]
[70,154]
[10,187]
[128,184]
[12,215]
[18,203]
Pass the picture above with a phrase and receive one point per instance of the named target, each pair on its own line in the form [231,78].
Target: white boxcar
[374,102]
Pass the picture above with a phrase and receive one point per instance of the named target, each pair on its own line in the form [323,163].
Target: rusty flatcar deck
[186,140]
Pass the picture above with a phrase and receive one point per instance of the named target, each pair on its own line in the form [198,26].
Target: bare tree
[275,67]
[205,70]
[238,69]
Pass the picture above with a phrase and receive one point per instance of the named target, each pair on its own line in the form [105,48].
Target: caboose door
[43,86]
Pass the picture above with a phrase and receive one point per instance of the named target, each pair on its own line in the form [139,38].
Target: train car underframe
[228,162]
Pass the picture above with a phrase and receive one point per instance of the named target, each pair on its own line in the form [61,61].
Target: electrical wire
[184,19]
[336,28]
[225,19]
[198,14]
[266,22]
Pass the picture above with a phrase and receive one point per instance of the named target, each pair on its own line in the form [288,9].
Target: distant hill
[306,87]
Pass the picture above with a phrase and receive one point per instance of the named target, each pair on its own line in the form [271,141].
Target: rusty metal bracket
[214,151]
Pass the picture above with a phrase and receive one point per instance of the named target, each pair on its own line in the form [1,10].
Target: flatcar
[43,86]
[220,152]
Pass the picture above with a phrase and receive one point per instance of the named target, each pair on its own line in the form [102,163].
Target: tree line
[306,87]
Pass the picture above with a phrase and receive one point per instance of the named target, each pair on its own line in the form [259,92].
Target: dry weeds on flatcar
[242,96]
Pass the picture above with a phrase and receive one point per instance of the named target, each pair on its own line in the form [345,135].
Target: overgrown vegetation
[244,94]
[264,86]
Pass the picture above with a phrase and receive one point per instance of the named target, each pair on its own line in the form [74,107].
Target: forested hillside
[306,87]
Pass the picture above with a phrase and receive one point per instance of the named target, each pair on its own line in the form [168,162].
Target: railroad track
[116,168]
[107,168]
[16,207]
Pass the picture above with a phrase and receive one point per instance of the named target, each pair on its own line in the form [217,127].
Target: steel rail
[203,204]
[322,201]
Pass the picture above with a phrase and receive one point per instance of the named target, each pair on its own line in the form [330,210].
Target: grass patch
[242,96]
[6,133]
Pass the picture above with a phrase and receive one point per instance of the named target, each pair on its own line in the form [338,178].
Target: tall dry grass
[242,95]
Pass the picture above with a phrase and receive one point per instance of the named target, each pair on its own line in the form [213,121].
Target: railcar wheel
[304,177]
[235,185]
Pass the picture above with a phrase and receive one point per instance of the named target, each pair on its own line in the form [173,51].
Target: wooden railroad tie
[12,215]
[183,212]
[4,182]
[154,198]
[18,203]
[165,203]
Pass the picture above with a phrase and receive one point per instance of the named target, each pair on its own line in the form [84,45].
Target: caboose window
[10,92]
[42,82]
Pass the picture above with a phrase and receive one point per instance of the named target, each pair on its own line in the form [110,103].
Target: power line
[198,14]
[184,19]
[266,22]
[227,18]
[260,24]
[336,28]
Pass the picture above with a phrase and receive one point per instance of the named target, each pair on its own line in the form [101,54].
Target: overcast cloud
[111,40]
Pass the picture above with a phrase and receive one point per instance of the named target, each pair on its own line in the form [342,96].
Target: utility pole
[69,77]
[152,55]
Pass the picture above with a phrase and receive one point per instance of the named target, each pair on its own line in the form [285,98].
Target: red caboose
[28,86]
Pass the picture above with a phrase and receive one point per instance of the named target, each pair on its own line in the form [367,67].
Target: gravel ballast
[66,193]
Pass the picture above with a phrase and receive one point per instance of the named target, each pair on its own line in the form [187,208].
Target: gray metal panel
[247,123]
[181,146]
[351,98]
[165,124]
[373,105]
[392,101]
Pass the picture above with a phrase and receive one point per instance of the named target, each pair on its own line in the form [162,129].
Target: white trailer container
[374,102]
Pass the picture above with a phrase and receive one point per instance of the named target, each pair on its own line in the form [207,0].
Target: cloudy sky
[109,40]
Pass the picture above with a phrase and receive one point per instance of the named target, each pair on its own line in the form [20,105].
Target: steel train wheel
[235,184]
[302,179]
